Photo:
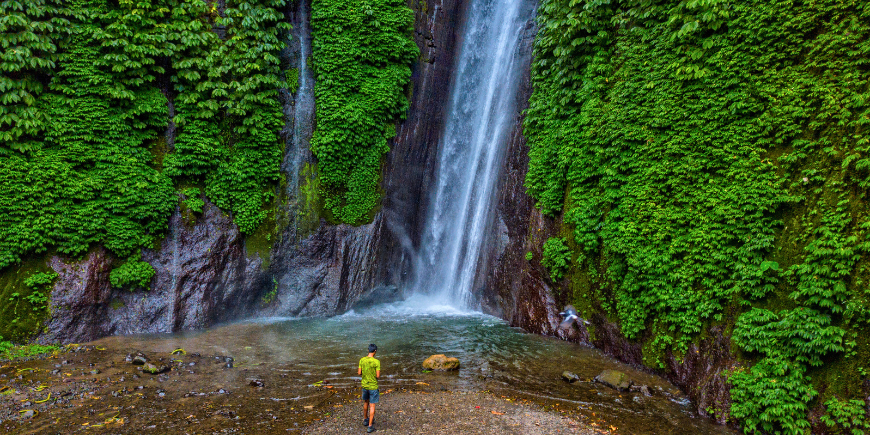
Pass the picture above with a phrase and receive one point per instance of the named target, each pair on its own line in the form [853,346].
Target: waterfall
[303,114]
[478,120]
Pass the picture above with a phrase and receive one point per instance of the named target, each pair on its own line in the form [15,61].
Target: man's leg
[366,410]
[371,414]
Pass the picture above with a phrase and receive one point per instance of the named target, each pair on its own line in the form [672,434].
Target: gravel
[449,412]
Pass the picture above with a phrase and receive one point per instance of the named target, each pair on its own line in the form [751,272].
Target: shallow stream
[494,357]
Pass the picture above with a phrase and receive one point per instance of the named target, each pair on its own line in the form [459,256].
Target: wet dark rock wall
[202,277]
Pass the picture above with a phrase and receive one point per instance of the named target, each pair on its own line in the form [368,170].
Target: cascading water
[303,113]
[477,125]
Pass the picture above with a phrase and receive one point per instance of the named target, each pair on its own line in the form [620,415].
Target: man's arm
[378,374]
[358,371]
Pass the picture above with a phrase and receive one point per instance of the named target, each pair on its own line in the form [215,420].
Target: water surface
[493,355]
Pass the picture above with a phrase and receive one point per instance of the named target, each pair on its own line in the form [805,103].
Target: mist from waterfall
[477,126]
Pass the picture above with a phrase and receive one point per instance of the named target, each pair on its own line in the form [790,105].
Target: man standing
[370,369]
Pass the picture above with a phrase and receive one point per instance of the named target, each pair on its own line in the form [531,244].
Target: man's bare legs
[366,410]
[370,407]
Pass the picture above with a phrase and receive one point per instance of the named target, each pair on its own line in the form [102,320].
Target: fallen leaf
[422,383]
[497,413]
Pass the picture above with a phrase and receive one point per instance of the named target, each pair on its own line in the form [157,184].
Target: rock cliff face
[203,273]
[521,292]
[202,277]
[328,271]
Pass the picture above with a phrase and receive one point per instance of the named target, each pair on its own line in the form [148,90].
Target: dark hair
[373,348]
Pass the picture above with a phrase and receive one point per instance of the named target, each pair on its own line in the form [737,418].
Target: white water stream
[477,126]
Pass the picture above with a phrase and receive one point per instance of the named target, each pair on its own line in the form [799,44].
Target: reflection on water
[493,355]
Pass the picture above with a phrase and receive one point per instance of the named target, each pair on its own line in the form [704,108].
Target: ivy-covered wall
[115,112]
[710,163]
[362,55]
[86,91]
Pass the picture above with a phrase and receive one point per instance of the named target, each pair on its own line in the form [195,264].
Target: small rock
[570,377]
[614,379]
[26,403]
[641,389]
[228,365]
[256,383]
[441,363]
[222,391]
[28,414]
[95,371]
[55,372]
[154,369]
[140,360]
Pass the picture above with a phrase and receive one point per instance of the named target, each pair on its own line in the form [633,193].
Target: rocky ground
[91,389]
[452,412]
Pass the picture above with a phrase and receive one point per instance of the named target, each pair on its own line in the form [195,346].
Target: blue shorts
[371,396]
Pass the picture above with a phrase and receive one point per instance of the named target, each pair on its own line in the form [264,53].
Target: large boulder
[614,379]
[441,363]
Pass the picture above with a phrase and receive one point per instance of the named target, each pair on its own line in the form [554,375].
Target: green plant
[529,256]
[192,198]
[709,157]
[361,56]
[846,417]
[134,273]
[41,280]
[269,297]
[9,350]
[556,258]
[772,396]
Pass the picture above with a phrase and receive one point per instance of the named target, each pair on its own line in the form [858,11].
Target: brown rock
[614,379]
[441,363]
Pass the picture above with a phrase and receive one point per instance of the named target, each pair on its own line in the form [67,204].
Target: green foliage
[846,417]
[9,351]
[41,280]
[89,180]
[84,173]
[133,274]
[711,156]
[24,298]
[529,256]
[556,258]
[192,197]
[772,397]
[28,33]
[228,111]
[269,297]
[802,335]
[361,56]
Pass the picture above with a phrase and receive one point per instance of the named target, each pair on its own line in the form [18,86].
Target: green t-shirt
[370,367]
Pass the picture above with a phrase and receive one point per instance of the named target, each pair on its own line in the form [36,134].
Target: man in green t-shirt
[370,369]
